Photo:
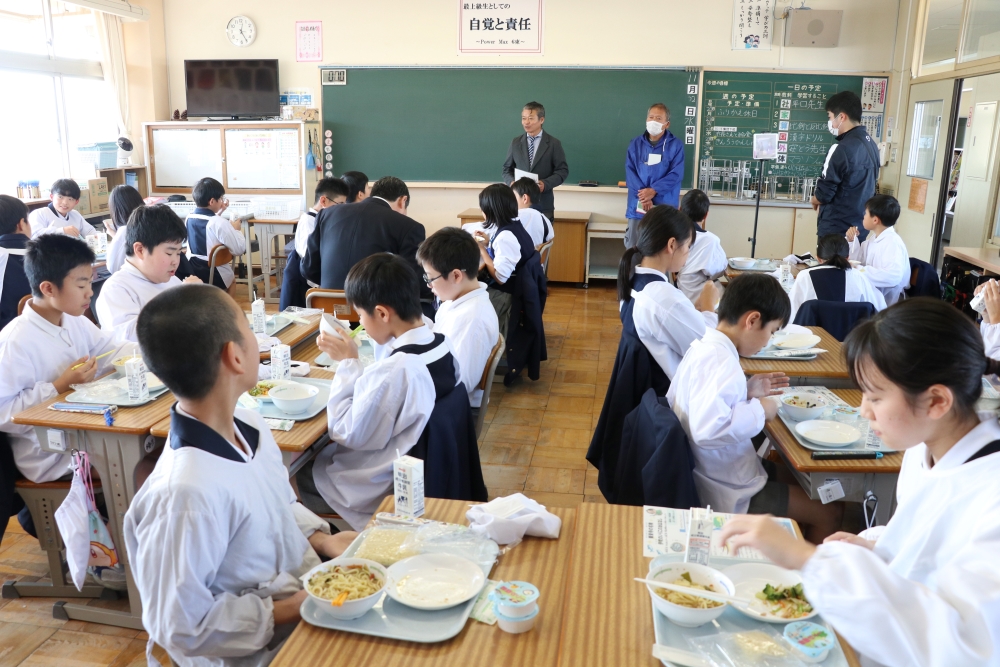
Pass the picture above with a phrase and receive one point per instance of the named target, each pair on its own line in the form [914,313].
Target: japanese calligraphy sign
[503,26]
[308,41]
[753,24]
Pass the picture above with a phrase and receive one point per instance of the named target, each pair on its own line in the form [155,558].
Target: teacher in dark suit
[539,153]
[348,233]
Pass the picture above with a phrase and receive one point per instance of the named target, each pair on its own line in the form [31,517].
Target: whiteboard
[264,159]
[182,157]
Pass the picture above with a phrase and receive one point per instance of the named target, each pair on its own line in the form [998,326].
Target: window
[924,138]
[74,32]
[944,21]
[22,27]
[981,36]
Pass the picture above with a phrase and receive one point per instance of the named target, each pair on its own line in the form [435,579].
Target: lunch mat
[869,442]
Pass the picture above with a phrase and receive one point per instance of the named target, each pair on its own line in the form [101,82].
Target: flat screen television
[232,88]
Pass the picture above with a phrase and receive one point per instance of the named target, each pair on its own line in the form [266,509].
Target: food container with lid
[845,414]
[515,599]
[515,626]
[811,642]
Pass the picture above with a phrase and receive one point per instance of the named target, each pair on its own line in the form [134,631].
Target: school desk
[857,476]
[827,370]
[267,231]
[543,562]
[114,452]
[296,334]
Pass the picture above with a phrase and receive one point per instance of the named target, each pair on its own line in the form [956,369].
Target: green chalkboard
[455,124]
[737,105]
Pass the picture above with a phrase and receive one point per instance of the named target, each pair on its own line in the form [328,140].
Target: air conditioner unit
[813,27]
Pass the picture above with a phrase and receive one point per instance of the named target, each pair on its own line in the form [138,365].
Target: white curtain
[113,62]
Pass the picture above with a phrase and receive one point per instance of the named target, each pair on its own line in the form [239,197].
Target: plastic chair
[544,251]
[486,383]
[219,255]
[332,301]
[20,304]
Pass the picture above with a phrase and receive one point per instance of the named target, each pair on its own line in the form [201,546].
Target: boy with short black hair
[450,259]
[377,413]
[539,227]
[206,228]
[153,246]
[706,259]
[14,235]
[50,346]
[329,192]
[60,216]
[883,254]
[216,539]
[721,410]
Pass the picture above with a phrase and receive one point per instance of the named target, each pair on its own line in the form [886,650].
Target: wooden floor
[535,439]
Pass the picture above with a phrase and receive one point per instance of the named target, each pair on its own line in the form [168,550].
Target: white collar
[987,431]
[643,269]
[716,337]
[474,294]
[419,336]
[242,452]
[134,271]
[536,137]
[54,330]
[888,230]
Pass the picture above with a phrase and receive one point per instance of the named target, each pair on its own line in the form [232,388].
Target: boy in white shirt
[539,227]
[329,192]
[706,260]
[50,346]
[216,539]
[377,413]
[721,410]
[153,247]
[883,254]
[450,259]
[60,216]
[206,228]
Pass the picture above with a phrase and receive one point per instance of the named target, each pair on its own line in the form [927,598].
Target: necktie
[531,149]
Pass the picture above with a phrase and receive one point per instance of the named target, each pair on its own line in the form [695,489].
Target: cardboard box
[98,195]
[84,206]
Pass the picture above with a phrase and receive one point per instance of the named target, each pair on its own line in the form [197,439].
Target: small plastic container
[846,414]
[515,626]
[515,599]
[810,641]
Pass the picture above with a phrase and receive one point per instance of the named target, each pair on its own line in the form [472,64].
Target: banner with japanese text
[507,26]
[753,24]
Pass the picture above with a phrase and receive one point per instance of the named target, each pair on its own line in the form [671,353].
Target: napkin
[507,520]
[265,342]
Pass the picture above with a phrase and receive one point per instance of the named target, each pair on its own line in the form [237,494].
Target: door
[925,166]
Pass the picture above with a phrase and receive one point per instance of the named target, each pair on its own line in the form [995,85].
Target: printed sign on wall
[309,41]
[508,26]
[753,24]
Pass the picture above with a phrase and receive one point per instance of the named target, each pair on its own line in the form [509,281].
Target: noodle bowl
[359,581]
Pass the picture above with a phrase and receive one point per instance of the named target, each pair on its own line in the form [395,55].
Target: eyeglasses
[429,280]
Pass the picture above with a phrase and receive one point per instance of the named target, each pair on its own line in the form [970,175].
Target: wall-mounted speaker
[813,27]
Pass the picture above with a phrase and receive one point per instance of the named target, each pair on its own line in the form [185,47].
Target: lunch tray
[393,620]
[274,323]
[269,410]
[122,401]
[674,636]
[869,442]
[770,267]
[768,353]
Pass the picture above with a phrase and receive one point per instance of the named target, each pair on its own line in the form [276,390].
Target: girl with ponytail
[834,279]
[924,589]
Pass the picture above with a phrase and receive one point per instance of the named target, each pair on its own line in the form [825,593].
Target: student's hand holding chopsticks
[338,346]
[80,371]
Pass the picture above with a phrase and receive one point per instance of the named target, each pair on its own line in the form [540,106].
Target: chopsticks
[100,356]
[357,331]
[697,592]
[340,599]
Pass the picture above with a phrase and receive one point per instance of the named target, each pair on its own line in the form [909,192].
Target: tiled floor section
[534,440]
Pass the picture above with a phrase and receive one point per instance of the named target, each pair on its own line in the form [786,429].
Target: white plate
[434,581]
[152,382]
[828,433]
[795,341]
[750,579]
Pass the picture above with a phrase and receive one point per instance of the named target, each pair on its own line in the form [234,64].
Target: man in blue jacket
[851,169]
[654,167]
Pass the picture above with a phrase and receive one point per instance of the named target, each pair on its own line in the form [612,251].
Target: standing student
[538,226]
[329,192]
[358,187]
[121,202]
[654,167]
[883,254]
[206,228]
[833,279]
[707,260]
[923,589]
[538,153]
[14,235]
[216,539]
[61,216]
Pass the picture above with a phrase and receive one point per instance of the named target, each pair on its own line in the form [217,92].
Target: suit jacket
[550,165]
[348,233]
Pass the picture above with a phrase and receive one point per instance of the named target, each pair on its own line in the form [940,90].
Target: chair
[486,384]
[332,301]
[544,251]
[219,255]
[835,316]
[20,304]
[924,280]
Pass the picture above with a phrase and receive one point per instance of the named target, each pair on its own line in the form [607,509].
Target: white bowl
[688,617]
[743,262]
[795,341]
[119,365]
[750,579]
[828,433]
[801,414]
[293,398]
[434,581]
[351,608]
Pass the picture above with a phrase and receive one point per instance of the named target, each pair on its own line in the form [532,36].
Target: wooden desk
[732,273]
[857,476]
[567,259]
[987,259]
[608,617]
[541,561]
[296,334]
[829,366]
[267,230]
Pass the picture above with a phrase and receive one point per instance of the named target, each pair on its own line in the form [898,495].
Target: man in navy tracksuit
[850,172]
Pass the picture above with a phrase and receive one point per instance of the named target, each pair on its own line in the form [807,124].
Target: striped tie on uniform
[531,149]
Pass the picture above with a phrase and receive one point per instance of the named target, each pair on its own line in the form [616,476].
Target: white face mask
[835,131]
[654,128]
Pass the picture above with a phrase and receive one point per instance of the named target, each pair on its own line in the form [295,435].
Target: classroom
[558,333]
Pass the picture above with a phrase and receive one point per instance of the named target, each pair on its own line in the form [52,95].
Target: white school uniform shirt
[886,263]
[537,225]
[305,228]
[991,339]
[212,543]
[33,354]
[47,220]
[857,288]
[372,413]
[470,324]
[123,296]
[706,261]
[115,256]
[709,396]
[929,593]
[219,230]
[667,322]
[506,254]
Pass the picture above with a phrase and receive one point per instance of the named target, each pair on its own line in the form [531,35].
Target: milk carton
[408,483]
[258,317]
[135,374]
[281,362]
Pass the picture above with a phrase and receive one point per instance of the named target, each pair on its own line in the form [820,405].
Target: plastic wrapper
[393,538]
[762,647]
[107,389]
